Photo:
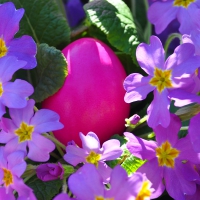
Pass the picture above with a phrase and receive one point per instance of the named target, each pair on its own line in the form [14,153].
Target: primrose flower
[49,171]
[23,48]
[12,94]
[166,79]
[25,128]
[12,166]
[87,184]
[186,11]
[168,158]
[92,153]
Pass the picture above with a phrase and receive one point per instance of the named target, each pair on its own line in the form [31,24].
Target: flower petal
[169,133]
[39,148]
[151,55]
[24,48]
[90,141]
[10,18]
[158,111]
[137,87]
[75,155]
[139,147]
[46,120]
[105,171]
[182,97]
[155,175]
[86,183]
[111,150]
[161,14]
[15,93]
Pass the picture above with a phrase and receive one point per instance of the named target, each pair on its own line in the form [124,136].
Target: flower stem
[169,40]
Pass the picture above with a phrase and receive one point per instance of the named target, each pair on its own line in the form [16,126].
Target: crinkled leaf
[131,163]
[45,190]
[127,160]
[44,21]
[114,18]
[51,72]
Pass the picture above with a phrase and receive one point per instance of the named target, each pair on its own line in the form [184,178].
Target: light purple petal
[155,175]
[90,141]
[194,132]
[137,87]
[9,65]
[5,195]
[75,155]
[161,14]
[86,183]
[46,120]
[3,161]
[111,150]
[169,133]
[151,55]
[194,38]
[2,109]
[140,148]
[188,18]
[14,145]
[186,149]
[24,114]
[123,187]
[7,125]
[181,54]
[15,93]
[105,171]
[187,170]
[62,196]
[180,185]
[10,18]
[6,137]
[182,97]
[16,162]
[39,148]
[22,189]
[158,111]
[24,48]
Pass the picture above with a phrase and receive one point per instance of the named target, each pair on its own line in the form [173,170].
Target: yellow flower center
[161,79]
[24,132]
[93,158]
[7,177]
[145,191]
[166,154]
[1,89]
[102,198]
[183,3]
[3,48]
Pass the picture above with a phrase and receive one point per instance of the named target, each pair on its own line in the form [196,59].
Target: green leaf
[44,190]
[131,163]
[113,17]
[139,10]
[51,72]
[44,21]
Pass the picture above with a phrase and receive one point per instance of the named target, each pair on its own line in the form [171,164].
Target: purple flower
[166,79]
[92,153]
[87,184]
[187,12]
[23,48]
[75,12]
[50,171]
[62,196]
[25,128]
[168,158]
[12,166]
[12,94]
